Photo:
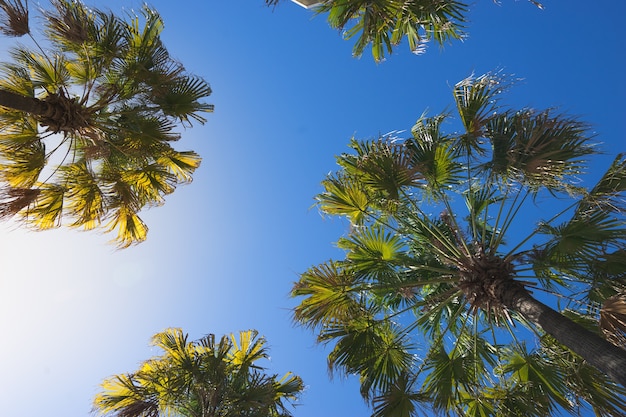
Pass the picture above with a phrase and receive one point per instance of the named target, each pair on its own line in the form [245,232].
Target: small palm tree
[384,23]
[87,119]
[201,378]
[457,244]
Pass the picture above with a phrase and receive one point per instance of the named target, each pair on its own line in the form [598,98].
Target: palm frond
[383,24]
[613,319]
[400,400]
[537,373]
[330,294]
[539,149]
[69,22]
[130,228]
[344,196]
[85,199]
[14,200]
[247,348]
[14,17]
[181,100]
[47,73]
[476,101]
[608,193]
[26,159]
[374,350]
[47,209]
[433,155]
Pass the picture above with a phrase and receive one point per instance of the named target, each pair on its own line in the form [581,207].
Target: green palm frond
[332,295]
[609,193]
[344,196]
[374,350]
[593,389]
[476,101]
[539,149]
[384,166]
[578,242]
[538,374]
[48,73]
[400,400]
[383,24]
[181,99]
[16,78]
[372,250]
[433,155]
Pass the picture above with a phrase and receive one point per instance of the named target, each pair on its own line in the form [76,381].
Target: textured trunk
[597,351]
[30,105]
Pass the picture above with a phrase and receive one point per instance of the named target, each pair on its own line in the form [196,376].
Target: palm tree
[201,378]
[458,244]
[87,119]
[384,23]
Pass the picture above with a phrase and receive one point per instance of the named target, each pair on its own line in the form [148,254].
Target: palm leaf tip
[14,18]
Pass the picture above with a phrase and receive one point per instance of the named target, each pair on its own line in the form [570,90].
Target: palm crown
[383,24]
[203,378]
[88,119]
[437,277]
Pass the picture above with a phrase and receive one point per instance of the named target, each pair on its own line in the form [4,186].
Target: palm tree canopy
[446,226]
[203,378]
[88,119]
[383,24]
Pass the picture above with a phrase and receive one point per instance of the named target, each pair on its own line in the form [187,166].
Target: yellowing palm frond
[180,164]
[26,161]
[47,209]
[247,348]
[130,228]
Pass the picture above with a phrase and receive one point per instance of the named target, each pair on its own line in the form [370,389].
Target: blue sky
[223,252]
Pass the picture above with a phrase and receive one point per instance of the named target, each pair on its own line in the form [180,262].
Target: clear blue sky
[223,252]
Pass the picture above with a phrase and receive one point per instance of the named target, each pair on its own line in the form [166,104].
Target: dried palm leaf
[14,17]
[13,200]
[613,319]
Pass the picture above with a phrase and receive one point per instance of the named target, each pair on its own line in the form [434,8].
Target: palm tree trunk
[597,351]
[30,105]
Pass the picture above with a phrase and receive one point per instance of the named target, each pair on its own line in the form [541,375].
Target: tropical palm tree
[87,119]
[201,378]
[462,247]
[384,23]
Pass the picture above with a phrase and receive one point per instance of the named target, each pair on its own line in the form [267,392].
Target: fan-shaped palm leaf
[440,262]
[105,94]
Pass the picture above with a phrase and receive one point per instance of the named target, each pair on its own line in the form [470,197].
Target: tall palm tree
[88,118]
[462,248]
[201,378]
[384,23]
